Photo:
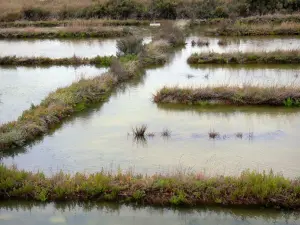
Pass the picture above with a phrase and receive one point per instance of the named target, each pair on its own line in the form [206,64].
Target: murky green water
[100,138]
[22,86]
[12,213]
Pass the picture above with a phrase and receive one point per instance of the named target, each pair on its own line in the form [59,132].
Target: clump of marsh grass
[139,131]
[239,135]
[223,42]
[166,133]
[213,134]
[130,46]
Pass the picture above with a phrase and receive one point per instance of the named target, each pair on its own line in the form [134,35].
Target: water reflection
[109,213]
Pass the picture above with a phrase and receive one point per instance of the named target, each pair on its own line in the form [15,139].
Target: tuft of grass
[213,135]
[166,133]
[139,132]
[239,135]
[231,95]
[250,188]
[274,57]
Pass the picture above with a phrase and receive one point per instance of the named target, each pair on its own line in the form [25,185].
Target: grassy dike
[78,22]
[64,102]
[240,29]
[275,57]
[63,32]
[104,61]
[226,95]
[248,189]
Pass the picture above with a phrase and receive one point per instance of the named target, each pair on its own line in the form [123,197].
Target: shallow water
[250,44]
[100,138]
[92,213]
[106,47]
[22,86]
[60,48]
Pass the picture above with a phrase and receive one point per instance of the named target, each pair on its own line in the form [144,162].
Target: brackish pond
[100,137]
[22,86]
[112,214]
[60,48]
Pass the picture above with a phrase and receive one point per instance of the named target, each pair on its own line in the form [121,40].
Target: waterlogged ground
[22,86]
[111,214]
[101,137]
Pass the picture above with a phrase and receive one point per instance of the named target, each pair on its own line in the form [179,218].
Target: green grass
[104,61]
[248,189]
[226,95]
[275,57]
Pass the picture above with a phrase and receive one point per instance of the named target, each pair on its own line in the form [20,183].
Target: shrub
[129,46]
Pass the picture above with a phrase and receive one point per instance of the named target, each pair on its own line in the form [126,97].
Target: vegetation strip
[104,61]
[75,32]
[56,23]
[248,189]
[146,9]
[133,58]
[263,19]
[246,95]
[239,29]
[275,57]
